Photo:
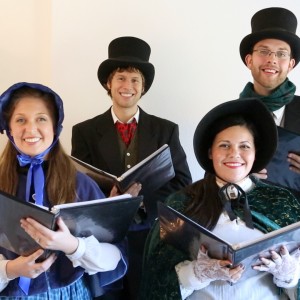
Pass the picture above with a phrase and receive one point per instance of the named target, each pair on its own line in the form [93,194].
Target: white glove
[207,269]
[284,267]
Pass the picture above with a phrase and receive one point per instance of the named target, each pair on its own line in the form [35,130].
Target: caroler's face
[233,153]
[126,89]
[269,71]
[31,126]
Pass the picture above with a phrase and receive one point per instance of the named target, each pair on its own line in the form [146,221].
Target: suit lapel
[292,116]
[108,143]
[147,140]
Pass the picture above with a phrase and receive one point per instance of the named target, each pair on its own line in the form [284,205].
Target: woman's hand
[27,267]
[207,269]
[133,190]
[284,267]
[61,239]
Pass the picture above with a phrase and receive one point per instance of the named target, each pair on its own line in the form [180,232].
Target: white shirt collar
[278,115]
[246,184]
[136,116]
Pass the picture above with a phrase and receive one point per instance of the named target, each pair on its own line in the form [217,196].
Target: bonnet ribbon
[36,173]
[230,195]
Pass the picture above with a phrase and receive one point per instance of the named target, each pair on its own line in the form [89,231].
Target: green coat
[159,279]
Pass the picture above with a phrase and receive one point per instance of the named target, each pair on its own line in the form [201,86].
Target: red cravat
[126,130]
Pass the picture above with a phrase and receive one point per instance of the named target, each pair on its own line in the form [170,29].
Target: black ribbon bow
[235,200]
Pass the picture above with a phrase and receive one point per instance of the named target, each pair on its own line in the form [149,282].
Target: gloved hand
[207,269]
[284,267]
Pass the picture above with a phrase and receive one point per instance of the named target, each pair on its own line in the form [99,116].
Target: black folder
[107,219]
[152,172]
[186,235]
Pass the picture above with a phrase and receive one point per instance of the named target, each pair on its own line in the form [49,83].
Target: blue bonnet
[5,98]
[35,173]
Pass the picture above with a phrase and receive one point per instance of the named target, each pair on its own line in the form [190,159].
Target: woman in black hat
[233,140]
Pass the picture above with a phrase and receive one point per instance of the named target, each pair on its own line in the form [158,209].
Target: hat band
[280,29]
[129,59]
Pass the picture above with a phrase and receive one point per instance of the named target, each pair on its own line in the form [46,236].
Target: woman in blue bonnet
[34,166]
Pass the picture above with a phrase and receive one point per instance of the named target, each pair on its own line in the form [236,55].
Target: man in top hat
[127,75]
[270,52]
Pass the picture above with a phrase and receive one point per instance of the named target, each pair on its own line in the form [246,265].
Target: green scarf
[281,96]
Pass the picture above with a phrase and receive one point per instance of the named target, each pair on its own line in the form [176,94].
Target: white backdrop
[195,51]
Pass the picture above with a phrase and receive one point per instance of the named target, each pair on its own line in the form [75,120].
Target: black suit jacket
[95,141]
[292,115]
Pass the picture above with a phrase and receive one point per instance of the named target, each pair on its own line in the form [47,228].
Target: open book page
[90,202]
[186,235]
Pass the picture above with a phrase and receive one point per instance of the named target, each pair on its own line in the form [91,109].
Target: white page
[123,196]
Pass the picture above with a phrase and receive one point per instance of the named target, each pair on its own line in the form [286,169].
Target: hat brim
[252,109]
[109,65]
[250,40]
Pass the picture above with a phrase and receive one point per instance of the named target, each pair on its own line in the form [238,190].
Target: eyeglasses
[280,54]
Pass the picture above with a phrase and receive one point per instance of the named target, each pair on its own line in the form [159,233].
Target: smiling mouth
[126,94]
[32,140]
[233,164]
[270,71]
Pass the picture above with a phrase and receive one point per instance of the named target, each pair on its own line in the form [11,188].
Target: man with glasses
[270,52]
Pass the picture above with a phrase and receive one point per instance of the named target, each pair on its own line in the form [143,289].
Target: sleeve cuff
[79,251]
[286,284]
[3,276]
[187,278]
[95,257]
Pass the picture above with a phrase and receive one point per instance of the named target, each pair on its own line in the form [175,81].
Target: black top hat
[251,109]
[272,23]
[127,51]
